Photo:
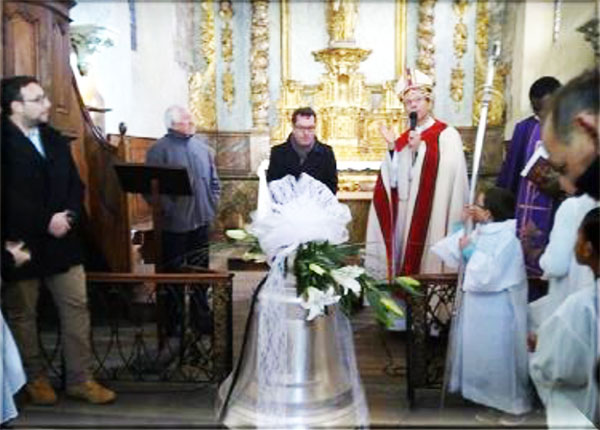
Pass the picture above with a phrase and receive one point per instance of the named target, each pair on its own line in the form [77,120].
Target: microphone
[412,117]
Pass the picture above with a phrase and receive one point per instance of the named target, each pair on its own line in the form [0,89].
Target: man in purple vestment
[535,206]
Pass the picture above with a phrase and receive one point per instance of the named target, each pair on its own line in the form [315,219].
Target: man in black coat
[302,152]
[42,197]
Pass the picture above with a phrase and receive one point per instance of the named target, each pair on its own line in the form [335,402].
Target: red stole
[386,207]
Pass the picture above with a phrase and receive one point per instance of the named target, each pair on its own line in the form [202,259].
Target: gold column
[496,106]
[460,47]
[202,85]
[400,37]
[425,33]
[285,40]
[259,63]
[226,14]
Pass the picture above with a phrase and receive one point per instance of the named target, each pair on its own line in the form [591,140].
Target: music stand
[154,180]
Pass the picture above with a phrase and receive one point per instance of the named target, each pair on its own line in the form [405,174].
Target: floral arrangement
[325,276]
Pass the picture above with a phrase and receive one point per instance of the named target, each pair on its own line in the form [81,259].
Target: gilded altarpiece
[349,110]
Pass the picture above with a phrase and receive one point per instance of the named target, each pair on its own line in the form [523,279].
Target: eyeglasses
[38,99]
[302,128]
[414,100]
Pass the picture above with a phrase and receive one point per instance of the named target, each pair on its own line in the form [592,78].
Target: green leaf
[390,304]
[408,281]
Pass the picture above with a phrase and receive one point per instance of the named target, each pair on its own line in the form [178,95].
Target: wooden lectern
[154,180]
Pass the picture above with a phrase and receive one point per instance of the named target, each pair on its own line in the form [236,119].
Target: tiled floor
[381,362]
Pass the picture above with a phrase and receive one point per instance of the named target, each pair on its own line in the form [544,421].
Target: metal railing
[173,327]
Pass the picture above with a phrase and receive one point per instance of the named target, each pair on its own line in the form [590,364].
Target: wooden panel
[60,50]
[21,37]
[109,218]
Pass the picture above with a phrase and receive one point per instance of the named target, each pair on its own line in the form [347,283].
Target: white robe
[12,375]
[489,362]
[562,367]
[451,194]
[565,276]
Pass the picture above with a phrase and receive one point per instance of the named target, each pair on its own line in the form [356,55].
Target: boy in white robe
[489,363]
[563,364]
[565,276]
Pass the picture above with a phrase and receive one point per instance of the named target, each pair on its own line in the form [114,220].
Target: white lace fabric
[301,211]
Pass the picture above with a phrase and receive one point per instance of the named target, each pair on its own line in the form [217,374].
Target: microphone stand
[456,314]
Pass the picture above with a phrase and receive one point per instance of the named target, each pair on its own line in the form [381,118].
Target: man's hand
[59,224]
[414,140]
[20,254]
[388,135]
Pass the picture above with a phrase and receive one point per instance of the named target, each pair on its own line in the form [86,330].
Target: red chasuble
[386,206]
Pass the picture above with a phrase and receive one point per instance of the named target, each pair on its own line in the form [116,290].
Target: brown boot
[40,391]
[92,392]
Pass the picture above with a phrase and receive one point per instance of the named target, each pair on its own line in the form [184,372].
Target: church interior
[111,68]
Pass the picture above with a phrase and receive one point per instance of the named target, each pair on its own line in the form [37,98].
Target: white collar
[495,227]
[429,121]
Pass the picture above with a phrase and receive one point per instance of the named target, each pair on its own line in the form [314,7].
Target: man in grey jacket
[186,219]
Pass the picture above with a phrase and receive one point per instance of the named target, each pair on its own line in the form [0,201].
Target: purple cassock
[534,211]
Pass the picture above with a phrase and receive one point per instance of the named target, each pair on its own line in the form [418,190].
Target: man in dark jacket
[42,198]
[302,152]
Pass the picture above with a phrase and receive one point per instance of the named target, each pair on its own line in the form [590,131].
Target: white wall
[137,85]
[376,30]
[307,33]
[536,54]
[446,109]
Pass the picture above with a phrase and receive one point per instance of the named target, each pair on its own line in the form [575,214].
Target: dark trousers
[188,248]
[185,249]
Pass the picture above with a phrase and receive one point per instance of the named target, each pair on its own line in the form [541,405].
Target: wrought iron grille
[157,327]
[428,330]
[428,322]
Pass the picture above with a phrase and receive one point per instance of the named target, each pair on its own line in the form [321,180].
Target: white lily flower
[316,268]
[236,234]
[312,303]
[346,277]
[316,300]
[330,298]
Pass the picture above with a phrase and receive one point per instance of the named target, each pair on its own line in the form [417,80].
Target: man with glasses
[303,153]
[420,191]
[42,198]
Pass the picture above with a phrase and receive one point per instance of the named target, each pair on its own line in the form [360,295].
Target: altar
[242,68]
